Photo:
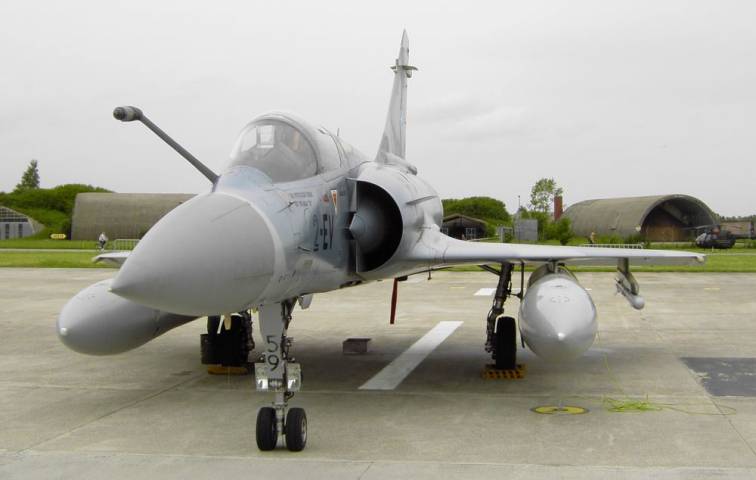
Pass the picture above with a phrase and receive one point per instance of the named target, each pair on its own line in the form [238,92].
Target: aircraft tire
[506,343]
[213,321]
[265,430]
[296,429]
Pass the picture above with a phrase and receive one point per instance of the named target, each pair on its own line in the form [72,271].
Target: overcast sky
[610,98]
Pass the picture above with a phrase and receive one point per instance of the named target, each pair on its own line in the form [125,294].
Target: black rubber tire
[207,349]
[266,432]
[296,429]
[232,344]
[506,343]
[213,321]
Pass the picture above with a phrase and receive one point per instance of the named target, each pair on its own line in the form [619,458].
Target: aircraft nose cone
[214,254]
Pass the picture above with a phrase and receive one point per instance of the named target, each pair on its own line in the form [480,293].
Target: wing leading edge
[438,249]
[112,258]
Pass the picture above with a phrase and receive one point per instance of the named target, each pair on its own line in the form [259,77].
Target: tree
[543,193]
[488,209]
[484,208]
[52,207]
[30,178]
[559,230]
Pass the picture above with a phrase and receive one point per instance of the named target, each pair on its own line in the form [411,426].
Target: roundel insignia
[559,410]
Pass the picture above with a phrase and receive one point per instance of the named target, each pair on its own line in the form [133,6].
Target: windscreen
[277,149]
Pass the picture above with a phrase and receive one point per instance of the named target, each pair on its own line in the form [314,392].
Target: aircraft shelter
[660,218]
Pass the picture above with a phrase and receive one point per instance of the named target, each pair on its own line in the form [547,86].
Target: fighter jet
[298,211]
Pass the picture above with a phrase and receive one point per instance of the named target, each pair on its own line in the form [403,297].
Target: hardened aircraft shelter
[664,218]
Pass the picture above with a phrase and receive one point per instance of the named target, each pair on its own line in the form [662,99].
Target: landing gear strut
[501,332]
[279,374]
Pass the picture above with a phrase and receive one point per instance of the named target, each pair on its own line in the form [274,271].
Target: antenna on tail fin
[393,142]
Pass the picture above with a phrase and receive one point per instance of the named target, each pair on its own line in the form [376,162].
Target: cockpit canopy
[286,149]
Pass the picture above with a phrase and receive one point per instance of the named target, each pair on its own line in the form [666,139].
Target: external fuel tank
[557,315]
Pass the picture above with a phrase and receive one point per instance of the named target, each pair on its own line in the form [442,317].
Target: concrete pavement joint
[364,472]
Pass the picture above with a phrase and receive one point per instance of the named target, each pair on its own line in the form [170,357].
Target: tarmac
[155,412]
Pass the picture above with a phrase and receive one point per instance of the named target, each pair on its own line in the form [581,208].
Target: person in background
[102,240]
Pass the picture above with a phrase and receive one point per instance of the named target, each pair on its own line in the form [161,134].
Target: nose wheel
[265,429]
[296,429]
[278,373]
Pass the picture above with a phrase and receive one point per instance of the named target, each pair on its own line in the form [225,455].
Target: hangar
[15,224]
[661,218]
[120,215]
[463,227]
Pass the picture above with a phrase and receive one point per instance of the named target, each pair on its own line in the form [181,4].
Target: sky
[610,98]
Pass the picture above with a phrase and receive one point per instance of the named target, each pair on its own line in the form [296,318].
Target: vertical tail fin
[393,141]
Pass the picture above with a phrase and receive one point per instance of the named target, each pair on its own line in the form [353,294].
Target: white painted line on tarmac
[485,292]
[395,372]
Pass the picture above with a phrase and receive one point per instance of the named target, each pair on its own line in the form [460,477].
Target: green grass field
[48,244]
[714,263]
[49,260]
[717,262]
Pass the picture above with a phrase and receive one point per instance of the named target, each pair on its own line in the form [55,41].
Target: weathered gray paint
[120,215]
[628,215]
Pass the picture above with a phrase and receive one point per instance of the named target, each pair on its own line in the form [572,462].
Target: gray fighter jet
[299,211]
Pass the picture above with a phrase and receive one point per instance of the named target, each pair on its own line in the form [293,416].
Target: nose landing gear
[279,374]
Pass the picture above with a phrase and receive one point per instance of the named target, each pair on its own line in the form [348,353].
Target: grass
[49,260]
[734,260]
[46,243]
[714,263]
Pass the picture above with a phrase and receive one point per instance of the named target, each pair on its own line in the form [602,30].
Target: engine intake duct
[376,226]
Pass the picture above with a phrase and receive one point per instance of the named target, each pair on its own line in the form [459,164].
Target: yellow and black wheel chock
[490,372]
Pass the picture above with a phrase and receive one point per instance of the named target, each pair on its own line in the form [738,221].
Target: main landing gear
[279,374]
[228,340]
[501,332]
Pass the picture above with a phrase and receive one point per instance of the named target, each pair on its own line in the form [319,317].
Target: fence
[614,245]
[124,243]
